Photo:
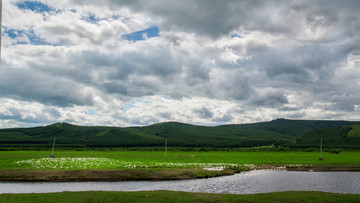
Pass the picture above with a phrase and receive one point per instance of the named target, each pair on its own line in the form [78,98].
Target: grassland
[152,165]
[147,165]
[168,196]
[8,159]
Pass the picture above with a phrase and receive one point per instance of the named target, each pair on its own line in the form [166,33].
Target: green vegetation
[12,159]
[137,153]
[355,131]
[169,196]
[152,165]
[333,137]
[280,132]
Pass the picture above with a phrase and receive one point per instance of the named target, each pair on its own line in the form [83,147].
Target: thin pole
[52,153]
[165,147]
[321,149]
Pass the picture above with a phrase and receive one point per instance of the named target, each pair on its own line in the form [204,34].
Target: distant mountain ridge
[277,132]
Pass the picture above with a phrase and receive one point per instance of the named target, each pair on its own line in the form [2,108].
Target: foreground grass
[169,196]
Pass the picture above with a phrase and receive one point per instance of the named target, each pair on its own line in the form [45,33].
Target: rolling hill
[333,137]
[278,132]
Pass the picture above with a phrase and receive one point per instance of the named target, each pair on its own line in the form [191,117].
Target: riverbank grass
[171,196]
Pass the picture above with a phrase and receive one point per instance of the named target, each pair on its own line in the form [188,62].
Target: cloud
[215,19]
[269,98]
[31,85]
[218,61]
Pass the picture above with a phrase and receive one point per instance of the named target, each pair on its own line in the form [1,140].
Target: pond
[257,181]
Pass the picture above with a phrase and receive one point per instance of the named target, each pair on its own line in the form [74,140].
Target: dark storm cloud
[53,112]
[231,84]
[132,73]
[205,112]
[342,95]
[224,118]
[208,113]
[27,84]
[217,18]
[303,64]
[17,115]
[207,17]
[270,99]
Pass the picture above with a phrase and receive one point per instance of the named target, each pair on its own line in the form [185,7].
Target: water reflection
[258,181]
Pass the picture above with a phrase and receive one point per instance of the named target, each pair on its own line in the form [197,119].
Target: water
[257,181]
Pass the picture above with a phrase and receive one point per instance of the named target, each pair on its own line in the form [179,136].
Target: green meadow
[174,159]
[169,196]
[151,165]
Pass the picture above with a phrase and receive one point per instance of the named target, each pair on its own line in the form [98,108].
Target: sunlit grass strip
[105,163]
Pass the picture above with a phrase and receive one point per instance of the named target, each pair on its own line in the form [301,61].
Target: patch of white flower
[66,163]
[215,169]
[105,163]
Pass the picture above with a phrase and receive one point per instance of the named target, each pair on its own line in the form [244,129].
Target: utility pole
[165,147]
[320,159]
[52,153]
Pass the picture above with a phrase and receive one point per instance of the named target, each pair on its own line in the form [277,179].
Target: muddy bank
[323,168]
[142,174]
[309,168]
[107,175]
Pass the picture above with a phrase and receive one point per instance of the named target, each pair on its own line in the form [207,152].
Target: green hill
[68,135]
[278,132]
[333,137]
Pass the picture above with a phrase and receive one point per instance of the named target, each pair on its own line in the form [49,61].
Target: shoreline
[311,168]
[111,175]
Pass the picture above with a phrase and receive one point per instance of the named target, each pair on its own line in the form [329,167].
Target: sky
[205,62]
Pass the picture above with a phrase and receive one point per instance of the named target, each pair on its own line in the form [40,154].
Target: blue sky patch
[91,112]
[131,104]
[36,40]
[91,19]
[115,17]
[143,34]
[242,35]
[13,33]
[167,98]
[33,38]
[35,6]
[236,36]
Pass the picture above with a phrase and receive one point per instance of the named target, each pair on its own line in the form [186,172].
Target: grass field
[168,196]
[17,159]
[151,165]
[177,164]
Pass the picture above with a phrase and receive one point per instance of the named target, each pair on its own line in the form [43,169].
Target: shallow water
[257,181]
